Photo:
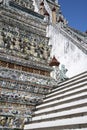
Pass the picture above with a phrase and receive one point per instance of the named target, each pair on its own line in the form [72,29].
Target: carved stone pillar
[54,15]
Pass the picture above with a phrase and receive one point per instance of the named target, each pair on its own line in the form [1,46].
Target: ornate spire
[54,9]
[54,62]
[60,19]
[46,13]
[42,3]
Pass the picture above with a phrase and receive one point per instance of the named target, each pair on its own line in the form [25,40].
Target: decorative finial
[54,62]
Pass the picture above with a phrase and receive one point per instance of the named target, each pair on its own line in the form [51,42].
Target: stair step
[61,117]
[66,106]
[57,102]
[64,114]
[65,87]
[72,80]
[77,122]
[64,94]
[68,127]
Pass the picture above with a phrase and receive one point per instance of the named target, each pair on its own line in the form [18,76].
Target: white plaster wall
[66,52]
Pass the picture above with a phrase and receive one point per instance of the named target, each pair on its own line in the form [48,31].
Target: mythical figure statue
[3,121]
[60,74]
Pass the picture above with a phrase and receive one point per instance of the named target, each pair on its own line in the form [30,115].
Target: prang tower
[24,61]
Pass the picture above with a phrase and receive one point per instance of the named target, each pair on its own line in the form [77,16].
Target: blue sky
[75,11]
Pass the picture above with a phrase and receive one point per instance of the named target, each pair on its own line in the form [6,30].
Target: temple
[36,48]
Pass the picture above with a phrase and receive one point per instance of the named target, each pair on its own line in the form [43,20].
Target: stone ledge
[24,9]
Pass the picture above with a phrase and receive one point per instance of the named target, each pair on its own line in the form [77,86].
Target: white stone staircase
[64,108]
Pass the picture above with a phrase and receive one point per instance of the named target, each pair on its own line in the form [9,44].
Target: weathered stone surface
[23,46]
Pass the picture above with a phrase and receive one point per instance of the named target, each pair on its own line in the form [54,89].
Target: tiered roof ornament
[60,19]
[46,13]
[42,3]
[54,62]
[43,11]
[54,9]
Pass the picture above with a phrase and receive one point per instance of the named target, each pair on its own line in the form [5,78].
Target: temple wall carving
[23,44]
[23,68]
[24,62]
[25,3]
[23,76]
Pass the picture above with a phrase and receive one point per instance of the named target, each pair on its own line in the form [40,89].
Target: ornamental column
[54,15]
